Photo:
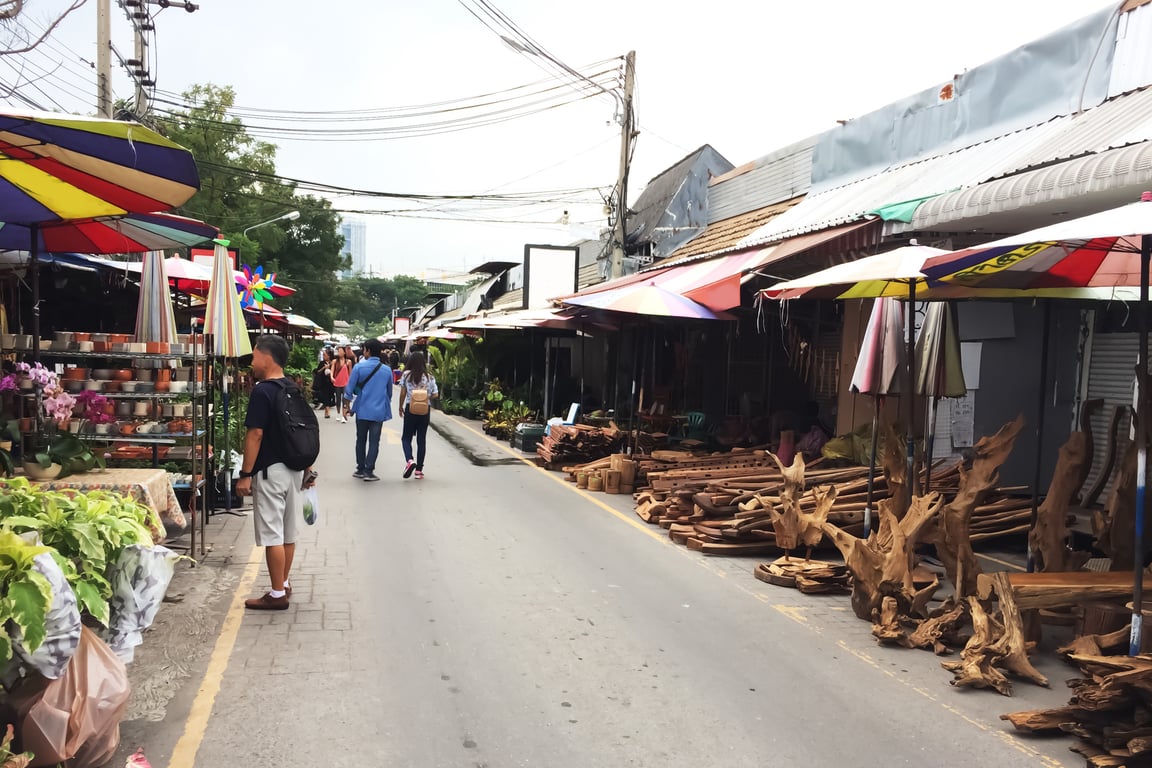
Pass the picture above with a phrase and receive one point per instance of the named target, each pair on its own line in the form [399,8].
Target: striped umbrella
[223,318]
[646,299]
[155,319]
[58,167]
[131,233]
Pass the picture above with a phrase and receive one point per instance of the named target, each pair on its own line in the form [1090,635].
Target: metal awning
[1099,181]
[493,267]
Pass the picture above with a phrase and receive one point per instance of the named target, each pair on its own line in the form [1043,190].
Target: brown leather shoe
[267,603]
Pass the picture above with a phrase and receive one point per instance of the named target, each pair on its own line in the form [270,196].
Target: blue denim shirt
[374,403]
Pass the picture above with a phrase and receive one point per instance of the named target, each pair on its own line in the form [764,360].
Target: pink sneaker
[408,468]
[419,475]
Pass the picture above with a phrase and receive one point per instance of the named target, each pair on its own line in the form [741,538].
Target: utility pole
[140,107]
[627,129]
[104,58]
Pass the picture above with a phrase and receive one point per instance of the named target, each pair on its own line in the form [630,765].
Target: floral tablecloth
[151,487]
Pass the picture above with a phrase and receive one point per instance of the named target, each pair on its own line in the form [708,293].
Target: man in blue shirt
[370,390]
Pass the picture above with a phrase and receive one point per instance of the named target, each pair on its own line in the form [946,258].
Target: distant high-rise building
[355,234]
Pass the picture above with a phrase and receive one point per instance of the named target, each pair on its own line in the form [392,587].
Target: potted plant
[60,454]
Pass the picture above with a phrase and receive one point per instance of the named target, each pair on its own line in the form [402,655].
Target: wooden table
[151,487]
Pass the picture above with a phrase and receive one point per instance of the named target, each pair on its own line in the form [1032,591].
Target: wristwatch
[244,474]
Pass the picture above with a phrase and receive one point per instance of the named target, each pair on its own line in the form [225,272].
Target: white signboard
[549,271]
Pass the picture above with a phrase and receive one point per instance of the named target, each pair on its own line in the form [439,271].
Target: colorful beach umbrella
[130,233]
[646,299]
[223,317]
[155,318]
[57,167]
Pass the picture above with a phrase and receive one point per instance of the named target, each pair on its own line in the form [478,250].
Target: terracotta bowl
[112,386]
[78,337]
[162,386]
[124,374]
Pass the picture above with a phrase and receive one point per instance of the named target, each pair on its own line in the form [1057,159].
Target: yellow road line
[184,755]
[795,613]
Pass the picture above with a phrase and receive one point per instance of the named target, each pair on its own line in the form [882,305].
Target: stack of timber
[575,443]
[1110,712]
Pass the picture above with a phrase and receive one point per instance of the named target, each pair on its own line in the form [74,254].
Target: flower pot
[65,337]
[72,387]
[124,374]
[23,341]
[8,340]
[120,338]
[78,337]
[27,424]
[126,428]
[145,374]
[103,429]
[37,472]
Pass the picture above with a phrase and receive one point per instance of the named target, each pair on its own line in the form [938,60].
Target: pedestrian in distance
[417,391]
[342,365]
[281,442]
[370,390]
[323,390]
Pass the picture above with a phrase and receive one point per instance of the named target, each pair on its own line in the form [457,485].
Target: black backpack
[299,429]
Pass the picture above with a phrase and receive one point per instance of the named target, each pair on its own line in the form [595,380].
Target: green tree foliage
[370,301]
[239,188]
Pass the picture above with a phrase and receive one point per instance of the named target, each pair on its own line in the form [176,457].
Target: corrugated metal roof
[722,235]
[589,275]
[774,178]
[511,300]
[1118,122]
[1109,177]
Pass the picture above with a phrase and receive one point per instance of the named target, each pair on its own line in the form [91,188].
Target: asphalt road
[490,616]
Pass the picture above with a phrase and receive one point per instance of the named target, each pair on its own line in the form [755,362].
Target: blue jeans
[367,435]
[415,426]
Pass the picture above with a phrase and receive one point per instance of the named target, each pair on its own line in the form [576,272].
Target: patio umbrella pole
[931,408]
[1142,454]
[632,423]
[1040,409]
[910,466]
[34,278]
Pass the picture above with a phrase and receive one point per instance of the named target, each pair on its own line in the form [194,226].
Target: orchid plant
[93,408]
[57,403]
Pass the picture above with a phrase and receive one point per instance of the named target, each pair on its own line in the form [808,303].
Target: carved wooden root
[995,645]
[951,536]
[894,462]
[1048,538]
[939,633]
[882,565]
[786,516]
[1120,515]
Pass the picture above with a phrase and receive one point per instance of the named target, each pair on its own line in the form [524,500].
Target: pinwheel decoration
[254,286]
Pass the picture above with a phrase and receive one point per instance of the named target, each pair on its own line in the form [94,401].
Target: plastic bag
[311,500]
[61,624]
[77,717]
[139,580]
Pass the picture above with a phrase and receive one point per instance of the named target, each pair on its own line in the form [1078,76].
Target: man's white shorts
[276,505]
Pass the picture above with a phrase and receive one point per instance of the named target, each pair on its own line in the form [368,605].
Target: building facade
[355,233]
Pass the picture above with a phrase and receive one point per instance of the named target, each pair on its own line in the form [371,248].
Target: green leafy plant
[85,532]
[25,593]
[10,759]
[70,452]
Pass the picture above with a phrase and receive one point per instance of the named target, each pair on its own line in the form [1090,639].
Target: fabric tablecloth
[151,487]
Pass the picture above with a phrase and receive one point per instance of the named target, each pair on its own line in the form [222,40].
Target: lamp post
[290,216]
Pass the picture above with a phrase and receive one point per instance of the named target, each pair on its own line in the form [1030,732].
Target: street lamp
[290,216]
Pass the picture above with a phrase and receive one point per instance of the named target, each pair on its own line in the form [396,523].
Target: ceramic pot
[47,345]
[103,374]
[128,386]
[112,386]
[8,340]
[74,374]
[141,409]
[65,337]
[145,374]
[27,424]
[162,386]
[120,338]
[124,374]
[163,374]
[100,337]
[178,387]
[126,428]
[72,386]
[144,386]
[37,472]
[138,347]
[79,337]
[27,385]
[86,346]
[167,410]
[123,409]
[74,427]
[23,341]
[103,429]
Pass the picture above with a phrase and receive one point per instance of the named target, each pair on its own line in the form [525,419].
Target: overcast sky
[745,77]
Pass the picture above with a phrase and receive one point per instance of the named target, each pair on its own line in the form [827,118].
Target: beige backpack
[418,404]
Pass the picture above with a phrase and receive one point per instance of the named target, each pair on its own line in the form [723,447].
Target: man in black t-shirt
[275,489]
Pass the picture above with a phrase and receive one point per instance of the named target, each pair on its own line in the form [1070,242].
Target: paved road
[488,616]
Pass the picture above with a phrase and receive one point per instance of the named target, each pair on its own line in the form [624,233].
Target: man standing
[274,487]
[370,390]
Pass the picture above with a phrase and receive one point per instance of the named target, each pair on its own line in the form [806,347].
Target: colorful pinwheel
[254,286]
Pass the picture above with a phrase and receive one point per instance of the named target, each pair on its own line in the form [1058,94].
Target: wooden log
[1050,590]
[1043,720]
[1049,537]
[951,535]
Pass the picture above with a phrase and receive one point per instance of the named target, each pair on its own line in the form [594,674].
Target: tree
[308,258]
[239,188]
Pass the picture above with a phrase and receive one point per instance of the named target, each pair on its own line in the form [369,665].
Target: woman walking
[341,368]
[323,390]
[417,391]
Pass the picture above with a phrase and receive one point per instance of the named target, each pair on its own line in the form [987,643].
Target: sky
[746,78]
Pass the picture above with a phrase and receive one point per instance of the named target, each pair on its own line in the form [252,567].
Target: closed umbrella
[939,372]
[877,373]
[155,318]
[224,323]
